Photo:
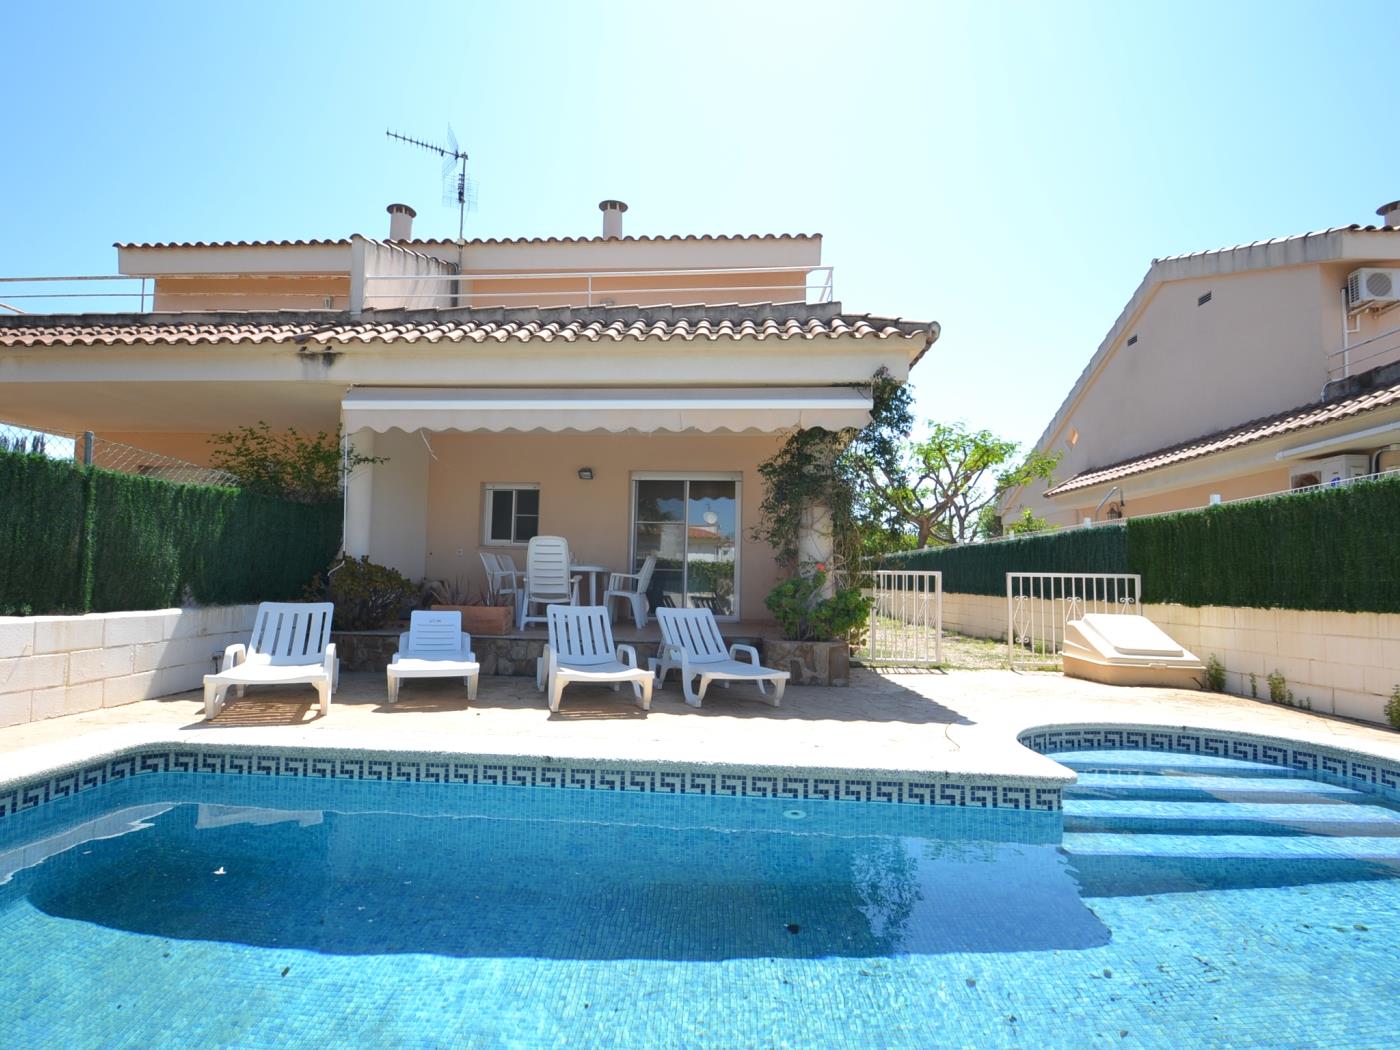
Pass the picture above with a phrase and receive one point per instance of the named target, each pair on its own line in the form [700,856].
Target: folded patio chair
[291,644]
[581,649]
[634,593]
[548,581]
[434,646]
[691,644]
[502,577]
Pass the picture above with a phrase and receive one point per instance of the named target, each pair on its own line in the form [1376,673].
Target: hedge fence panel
[76,539]
[1330,549]
[1333,549]
[981,568]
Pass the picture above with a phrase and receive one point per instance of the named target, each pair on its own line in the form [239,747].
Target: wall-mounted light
[585,473]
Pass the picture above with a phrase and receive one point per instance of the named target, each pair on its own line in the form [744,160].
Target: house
[620,391]
[1233,373]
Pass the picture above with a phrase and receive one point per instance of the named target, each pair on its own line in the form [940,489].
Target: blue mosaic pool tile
[549,773]
[1333,764]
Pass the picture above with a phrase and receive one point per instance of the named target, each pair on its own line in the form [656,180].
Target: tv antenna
[456,187]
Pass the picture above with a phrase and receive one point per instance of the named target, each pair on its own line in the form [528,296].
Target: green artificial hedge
[1335,549]
[75,539]
[981,568]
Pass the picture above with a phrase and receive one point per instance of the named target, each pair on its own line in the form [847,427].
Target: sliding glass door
[691,524]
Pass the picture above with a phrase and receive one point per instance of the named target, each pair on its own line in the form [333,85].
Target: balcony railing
[125,294]
[1350,360]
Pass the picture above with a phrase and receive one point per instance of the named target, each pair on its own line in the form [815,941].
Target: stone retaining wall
[60,665]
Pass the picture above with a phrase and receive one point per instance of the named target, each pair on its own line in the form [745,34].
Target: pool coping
[119,754]
[1325,760]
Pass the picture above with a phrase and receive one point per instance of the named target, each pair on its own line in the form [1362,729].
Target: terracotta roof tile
[591,324]
[447,243]
[1293,420]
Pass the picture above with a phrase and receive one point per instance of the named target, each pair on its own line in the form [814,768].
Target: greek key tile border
[1379,774]
[538,773]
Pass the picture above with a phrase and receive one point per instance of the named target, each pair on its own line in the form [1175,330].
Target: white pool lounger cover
[1127,650]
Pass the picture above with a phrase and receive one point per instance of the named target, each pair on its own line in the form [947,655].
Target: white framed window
[512,514]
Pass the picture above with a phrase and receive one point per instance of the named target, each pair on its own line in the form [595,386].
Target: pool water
[1179,901]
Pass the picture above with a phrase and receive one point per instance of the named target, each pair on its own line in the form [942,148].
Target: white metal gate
[1039,604]
[905,628]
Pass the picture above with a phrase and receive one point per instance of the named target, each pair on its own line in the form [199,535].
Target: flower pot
[482,619]
[810,663]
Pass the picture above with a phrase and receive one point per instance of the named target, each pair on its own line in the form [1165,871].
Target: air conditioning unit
[1331,471]
[1371,287]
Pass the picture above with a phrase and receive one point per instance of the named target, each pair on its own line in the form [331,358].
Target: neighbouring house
[616,390]
[1233,373]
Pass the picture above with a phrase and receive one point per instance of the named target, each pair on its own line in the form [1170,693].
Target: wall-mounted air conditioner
[1370,287]
[1331,471]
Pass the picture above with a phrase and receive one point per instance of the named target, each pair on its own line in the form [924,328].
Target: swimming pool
[1178,900]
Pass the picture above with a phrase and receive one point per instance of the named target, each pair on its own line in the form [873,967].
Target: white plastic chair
[634,593]
[547,578]
[291,644]
[691,644]
[581,649]
[434,646]
[502,577]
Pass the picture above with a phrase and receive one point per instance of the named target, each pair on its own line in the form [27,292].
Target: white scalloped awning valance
[734,410]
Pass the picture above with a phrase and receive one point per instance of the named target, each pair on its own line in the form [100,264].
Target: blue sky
[1008,170]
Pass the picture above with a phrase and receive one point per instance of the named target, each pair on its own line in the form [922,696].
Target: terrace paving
[956,722]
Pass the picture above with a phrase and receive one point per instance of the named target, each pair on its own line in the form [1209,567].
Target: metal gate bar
[905,628]
[1039,604]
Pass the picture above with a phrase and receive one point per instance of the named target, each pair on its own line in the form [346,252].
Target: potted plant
[482,614]
[816,622]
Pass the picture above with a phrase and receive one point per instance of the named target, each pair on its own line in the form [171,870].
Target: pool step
[1233,847]
[1210,820]
[1206,787]
[1154,762]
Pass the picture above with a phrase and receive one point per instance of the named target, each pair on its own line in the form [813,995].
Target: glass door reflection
[693,528]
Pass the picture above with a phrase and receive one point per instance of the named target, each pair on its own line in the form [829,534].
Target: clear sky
[1008,170]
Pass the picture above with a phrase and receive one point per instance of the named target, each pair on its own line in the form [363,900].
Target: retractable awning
[647,410]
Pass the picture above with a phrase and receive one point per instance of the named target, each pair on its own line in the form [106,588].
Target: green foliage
[1279,692]
[1215,674]
[1330,548]
[293,466]
[805,616]
[939,488]
[981,568]
[1392,708]
[76,539]
[367,595]
[1027,524]
[823,468]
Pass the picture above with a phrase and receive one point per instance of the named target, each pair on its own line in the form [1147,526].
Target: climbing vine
[822,469]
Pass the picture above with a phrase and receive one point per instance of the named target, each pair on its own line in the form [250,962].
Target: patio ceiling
[649,410]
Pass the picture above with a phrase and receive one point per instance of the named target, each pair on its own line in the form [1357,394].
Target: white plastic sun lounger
[581,649]
[691,644]
[434,646]
[291,644]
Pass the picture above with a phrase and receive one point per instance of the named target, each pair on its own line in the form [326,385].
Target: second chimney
[1389,213]
[401,218]
[612,217]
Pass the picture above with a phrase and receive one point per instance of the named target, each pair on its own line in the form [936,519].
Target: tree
[941,489]
[293,466]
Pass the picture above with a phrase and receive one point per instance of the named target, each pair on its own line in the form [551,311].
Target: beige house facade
[1234,373]
[618,391]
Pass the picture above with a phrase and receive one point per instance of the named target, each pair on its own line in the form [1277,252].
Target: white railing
[905,628]
[134,291]
[1354,358]
[1039,604]
[817,287]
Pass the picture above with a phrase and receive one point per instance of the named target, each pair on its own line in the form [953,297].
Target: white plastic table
[592,572]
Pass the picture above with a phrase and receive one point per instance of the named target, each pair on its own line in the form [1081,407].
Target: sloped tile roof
[1293,420]
[445,242]
[591,324]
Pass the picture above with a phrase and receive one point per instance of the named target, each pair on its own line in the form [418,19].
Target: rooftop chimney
[400,222]
[1389,213]
[612,217]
